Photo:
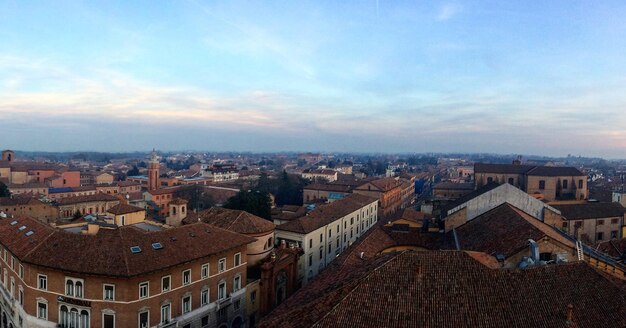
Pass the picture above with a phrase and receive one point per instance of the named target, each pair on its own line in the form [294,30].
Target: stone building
[140,275]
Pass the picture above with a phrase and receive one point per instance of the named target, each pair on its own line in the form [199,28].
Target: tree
[77,215]
[4,190]
[252,201]
[133,172]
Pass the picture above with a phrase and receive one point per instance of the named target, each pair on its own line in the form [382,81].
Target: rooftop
[109,251]
[232,220]
[590,210]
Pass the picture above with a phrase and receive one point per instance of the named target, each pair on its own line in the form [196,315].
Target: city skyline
[545,79]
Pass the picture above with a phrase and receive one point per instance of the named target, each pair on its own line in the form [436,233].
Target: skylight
[22,228]
[14,223]
[135,249]
[30,233]
[157,246]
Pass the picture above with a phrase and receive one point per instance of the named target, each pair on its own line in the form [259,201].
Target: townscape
[311,240]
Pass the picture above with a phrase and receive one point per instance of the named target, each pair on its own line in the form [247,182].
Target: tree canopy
[252,201]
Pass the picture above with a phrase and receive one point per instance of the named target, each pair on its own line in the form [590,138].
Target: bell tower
[153,172]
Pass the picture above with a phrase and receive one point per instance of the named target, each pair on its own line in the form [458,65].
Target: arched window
[173,210]
[84,319]
[74,318]
[182,209]
[64,319]
[78,289]
[69,288]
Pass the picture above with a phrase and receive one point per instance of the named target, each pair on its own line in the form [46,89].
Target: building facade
[176,277]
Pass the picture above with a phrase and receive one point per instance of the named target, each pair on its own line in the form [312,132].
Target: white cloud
[448,11]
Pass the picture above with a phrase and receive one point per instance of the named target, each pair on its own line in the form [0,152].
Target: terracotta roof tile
[233,220]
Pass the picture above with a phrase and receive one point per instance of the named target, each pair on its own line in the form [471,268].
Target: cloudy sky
[533,77]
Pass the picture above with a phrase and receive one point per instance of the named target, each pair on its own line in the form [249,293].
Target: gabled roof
[555,171]
[99,197]
[233,220]
[384,184]
[108,252]
[590,210]
[503,230]
[120,209]
[451,289]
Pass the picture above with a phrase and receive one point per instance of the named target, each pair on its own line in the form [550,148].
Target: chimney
[92,228]
[534,251]
[570,315]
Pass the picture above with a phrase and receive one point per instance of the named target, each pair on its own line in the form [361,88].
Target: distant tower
[8,155]
[153,172]
[518,160]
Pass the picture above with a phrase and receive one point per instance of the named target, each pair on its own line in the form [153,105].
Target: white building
[326,231]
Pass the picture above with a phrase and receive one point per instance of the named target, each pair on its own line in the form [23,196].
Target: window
[205,271]
[69,288]
[330,246]
[108,321]
[600,236]
[205,320]
[236,305]
[351,221]
[166,313]
[237,259]
[221,291]
[489,180]
[144,319]
[310,243]
[321,237]
[600,222]
[78,289]
[222,265]
[237,283]
[186,304]
[321,253]
[511,181]
[614,234]
[42,282]
[165,283]
[580,184]
[109,292]
[542,184]
[42,310]
[20,296]
[330,233]
[21,271]
[186,277]
[614,221]
[253,296]
[564,184]
[143,290]
[204,297]
[310,259]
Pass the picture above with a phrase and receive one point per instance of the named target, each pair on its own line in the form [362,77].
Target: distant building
[548,182]
[593,222]
[387,190]
[452,190]
[327,175]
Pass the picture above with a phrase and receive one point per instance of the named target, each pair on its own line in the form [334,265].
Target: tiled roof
[454,186]
[590,210]
[328,187]
[413,215]
[451,289]
[502,168]
[233,220]
[553,171]
[87,198]
[29,185]
[614,248]
[327,213]
[502,230]
[544,171]
[386,184]
[108,252]
[124,209]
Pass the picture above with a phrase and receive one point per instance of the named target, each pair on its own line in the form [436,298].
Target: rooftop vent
[157,246]
[22,228]
[135,249]
[14,223]
[173,238]
[30,233]
[192,234]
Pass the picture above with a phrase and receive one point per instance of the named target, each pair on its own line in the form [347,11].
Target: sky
[528,77]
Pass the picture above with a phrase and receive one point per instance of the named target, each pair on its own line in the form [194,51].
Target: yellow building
[126,214]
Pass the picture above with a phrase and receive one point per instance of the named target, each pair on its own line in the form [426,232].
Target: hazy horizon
[362,77]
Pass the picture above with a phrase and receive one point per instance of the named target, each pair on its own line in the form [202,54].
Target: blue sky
[543,77]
